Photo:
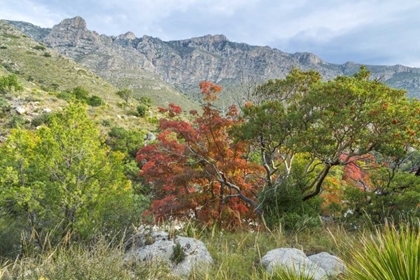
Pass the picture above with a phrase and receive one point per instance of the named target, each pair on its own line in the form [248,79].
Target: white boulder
[159,246]
[332,265]
[294,260]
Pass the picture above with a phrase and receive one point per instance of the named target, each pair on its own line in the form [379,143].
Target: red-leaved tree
[196,169]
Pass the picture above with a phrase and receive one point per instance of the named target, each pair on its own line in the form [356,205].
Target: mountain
[152,64]
[108,57]
[44,73]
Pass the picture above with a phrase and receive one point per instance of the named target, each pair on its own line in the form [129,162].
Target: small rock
[149,136]
[46,110]
[20,110]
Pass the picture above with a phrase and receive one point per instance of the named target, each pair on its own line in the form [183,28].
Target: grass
[389,253]
[386,253]
[236,255]
[99,261]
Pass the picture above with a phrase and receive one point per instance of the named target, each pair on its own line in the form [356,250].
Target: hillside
[151,64]
[121,66]
[44,73]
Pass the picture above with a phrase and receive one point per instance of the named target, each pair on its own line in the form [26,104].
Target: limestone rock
[293,259]
[332,265]
[158,246]
[149,136]
[20,110]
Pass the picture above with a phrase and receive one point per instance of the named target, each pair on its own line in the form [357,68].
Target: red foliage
[355,171]
[210,90]
[187,165]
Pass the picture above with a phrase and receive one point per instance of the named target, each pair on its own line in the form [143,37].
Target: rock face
[125,59]
[319,266]
[158,246]
[111,57]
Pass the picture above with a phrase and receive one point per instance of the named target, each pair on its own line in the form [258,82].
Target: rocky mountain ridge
[127,60]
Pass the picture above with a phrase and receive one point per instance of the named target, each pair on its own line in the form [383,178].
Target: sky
[383,32]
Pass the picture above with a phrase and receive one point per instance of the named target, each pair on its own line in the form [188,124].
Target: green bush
[80,93]
[125,141]
[4,106]
[16,121]
[376,206]
[106,123]
[393,253]
[142,110]
[39,48]
[65,95]
[95,101]
[146,100]
[284,205]
[9,82]
[10,234]
[40,120]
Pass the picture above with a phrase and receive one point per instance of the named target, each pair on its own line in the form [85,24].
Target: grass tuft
[391,253]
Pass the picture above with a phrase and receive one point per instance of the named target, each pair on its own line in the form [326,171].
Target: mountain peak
[76,23]
[127,36]
[211,38]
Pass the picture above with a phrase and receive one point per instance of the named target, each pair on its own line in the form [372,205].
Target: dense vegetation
[299,148]
[301,143]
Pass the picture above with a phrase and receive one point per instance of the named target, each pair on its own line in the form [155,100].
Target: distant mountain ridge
[127,60]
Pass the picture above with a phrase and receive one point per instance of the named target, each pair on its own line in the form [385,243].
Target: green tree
[9,82]
[125,94]
[325,125]
[81,94]
[64,179]
[125,141]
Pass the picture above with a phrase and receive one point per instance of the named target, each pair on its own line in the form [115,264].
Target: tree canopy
[292,139]
[64,179]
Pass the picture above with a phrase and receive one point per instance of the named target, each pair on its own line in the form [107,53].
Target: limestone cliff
[131,61]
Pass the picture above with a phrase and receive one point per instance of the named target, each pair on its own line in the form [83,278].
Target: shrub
[9,82]
[47,54]
[284,205]
[106,123]
[40,120]
[16,121]
[146,100]
[95,101]
[39,48]
[4,106]
[142,110]
[80,93]
[393,253]
[65,95]
[178,254]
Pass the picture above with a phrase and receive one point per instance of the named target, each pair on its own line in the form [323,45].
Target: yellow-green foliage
[65,180]
[391,253]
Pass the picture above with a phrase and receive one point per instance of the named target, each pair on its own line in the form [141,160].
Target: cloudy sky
[383,32]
